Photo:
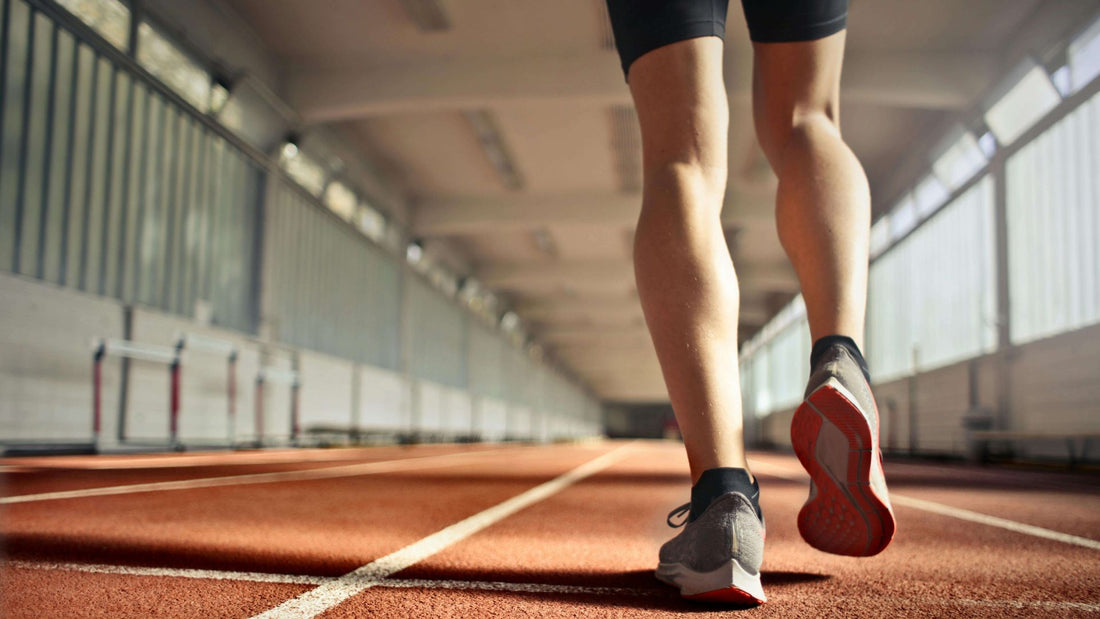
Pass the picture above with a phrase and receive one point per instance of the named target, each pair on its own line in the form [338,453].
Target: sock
[824,343]
[713,483]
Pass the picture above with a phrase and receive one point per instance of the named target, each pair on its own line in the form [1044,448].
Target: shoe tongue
[713,483]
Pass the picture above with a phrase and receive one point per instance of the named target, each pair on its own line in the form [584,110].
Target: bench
[983,438]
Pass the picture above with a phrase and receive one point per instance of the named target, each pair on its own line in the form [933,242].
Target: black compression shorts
[642,26]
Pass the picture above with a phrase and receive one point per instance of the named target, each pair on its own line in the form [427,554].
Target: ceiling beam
[935,80]
[462,216]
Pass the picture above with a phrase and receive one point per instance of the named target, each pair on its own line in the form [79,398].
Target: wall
[1053,387]
[46,371]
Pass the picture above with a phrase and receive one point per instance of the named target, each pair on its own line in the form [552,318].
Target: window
[110,18]
[880,236]
[903,218]
[340,200]
[1084,57]
[929,195]
[1026,102]
[308,173]
[960,162]
[372,223]
[164,60]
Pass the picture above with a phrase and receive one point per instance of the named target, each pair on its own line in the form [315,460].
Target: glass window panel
[1025,103]
[59,176]
[372,223]
[304,170]
[84,99]
[12,118]
[1063,80]
[880,236]
[164,60]
[95,241]
[934,294]
[1054,264]
[960,162]
[988,144]
[929,195]
[1084,57]
[33,197]
[110,18]
[903,218]
[340,200]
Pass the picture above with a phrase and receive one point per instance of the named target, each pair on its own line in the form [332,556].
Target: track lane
[606,533]
[602,532]
[321,527]
[23,476]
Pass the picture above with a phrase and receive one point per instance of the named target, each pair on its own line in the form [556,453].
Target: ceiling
[414,82]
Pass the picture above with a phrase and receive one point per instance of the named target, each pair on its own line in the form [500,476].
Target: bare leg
[685,277]
[823,205]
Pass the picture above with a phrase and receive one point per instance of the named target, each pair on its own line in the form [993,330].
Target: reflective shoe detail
[848,511]
[717,556]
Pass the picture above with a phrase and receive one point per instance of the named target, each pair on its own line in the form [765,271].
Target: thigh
[783,21]
[641,26]
[683,113]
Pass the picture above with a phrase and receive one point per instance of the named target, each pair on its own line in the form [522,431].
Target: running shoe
[716,558]
[835,435]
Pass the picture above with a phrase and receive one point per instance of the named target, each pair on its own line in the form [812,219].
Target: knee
[795,129]
[692,185]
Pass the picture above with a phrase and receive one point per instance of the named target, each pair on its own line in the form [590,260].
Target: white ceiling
[558,248]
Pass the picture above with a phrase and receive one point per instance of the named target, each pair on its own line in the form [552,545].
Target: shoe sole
[848,511]
[729,584]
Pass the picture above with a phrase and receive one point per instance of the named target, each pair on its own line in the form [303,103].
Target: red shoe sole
[846,515]
[729,595]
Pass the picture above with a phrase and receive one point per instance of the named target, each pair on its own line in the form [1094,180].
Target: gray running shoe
[835,435]
[716,558]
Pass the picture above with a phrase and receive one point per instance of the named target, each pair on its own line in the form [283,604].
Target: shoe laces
[682,511]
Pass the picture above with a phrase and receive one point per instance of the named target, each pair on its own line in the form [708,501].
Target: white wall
[383,400]
[46,336]
[204,383]
[493,419]
[326,391]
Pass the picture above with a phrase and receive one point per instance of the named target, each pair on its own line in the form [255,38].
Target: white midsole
[691,582]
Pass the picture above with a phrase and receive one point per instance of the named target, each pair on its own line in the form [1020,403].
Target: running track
[508,530]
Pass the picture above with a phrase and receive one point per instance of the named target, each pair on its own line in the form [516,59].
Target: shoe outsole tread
[845,515]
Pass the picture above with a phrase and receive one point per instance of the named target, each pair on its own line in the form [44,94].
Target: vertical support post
[295,386]
[231,390]
[913,444]
[174,399]
[405,326]
[294,421]
[97,393]
[124,380]
[260,409]
[1003,415]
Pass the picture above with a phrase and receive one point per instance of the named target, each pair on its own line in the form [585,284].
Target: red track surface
[586,550]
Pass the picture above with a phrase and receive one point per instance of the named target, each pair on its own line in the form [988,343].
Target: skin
[685,276]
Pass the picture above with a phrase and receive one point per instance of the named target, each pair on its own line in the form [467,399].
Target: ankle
[715,482]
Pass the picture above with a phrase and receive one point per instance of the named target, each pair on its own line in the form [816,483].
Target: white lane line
[993,521]
[497,586]
[349,470]
[291,579]
[324,597]
[167,572]
[945,510]
[158,461]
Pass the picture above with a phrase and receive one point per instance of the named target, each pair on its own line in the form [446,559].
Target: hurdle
[126,349]
[277,376]
[224,348]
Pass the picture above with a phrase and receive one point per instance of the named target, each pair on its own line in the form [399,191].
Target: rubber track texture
[844,514]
